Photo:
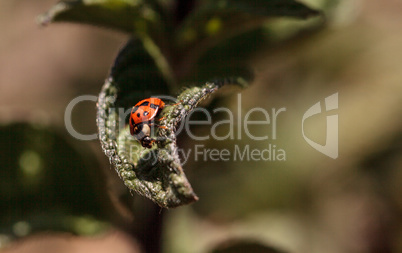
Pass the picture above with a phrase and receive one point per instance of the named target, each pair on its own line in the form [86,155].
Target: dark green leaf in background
[240,246]
[125,15]
[222,18]
[48,184]
[214,23]
[136,75]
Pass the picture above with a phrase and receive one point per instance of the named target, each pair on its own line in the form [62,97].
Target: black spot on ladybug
[145,113]
[138,115]
[153,106]
[146,103]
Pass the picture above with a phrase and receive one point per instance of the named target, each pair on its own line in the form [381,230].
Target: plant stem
[150,234]
[183,8]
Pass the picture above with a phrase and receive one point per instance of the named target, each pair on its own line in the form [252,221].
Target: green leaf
[245,245]
[133,16]
[136,75]
[180,56]
[222,18]
[48,184]
[154,173]
[218,38]
[229,58]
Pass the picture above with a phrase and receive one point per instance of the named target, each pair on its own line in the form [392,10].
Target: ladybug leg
[152,141]
[163,127]
[181,101]
[159,126]
[162,118]
[147,142]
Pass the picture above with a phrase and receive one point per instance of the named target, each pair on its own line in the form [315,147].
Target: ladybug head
[146,142]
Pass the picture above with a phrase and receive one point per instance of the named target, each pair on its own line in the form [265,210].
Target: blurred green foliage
[48,184]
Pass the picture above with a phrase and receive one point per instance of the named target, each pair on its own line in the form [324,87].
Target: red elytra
[144,112]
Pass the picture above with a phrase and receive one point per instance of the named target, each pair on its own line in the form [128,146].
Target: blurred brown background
[310,203]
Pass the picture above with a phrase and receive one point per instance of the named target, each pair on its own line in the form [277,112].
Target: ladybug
[140,119]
